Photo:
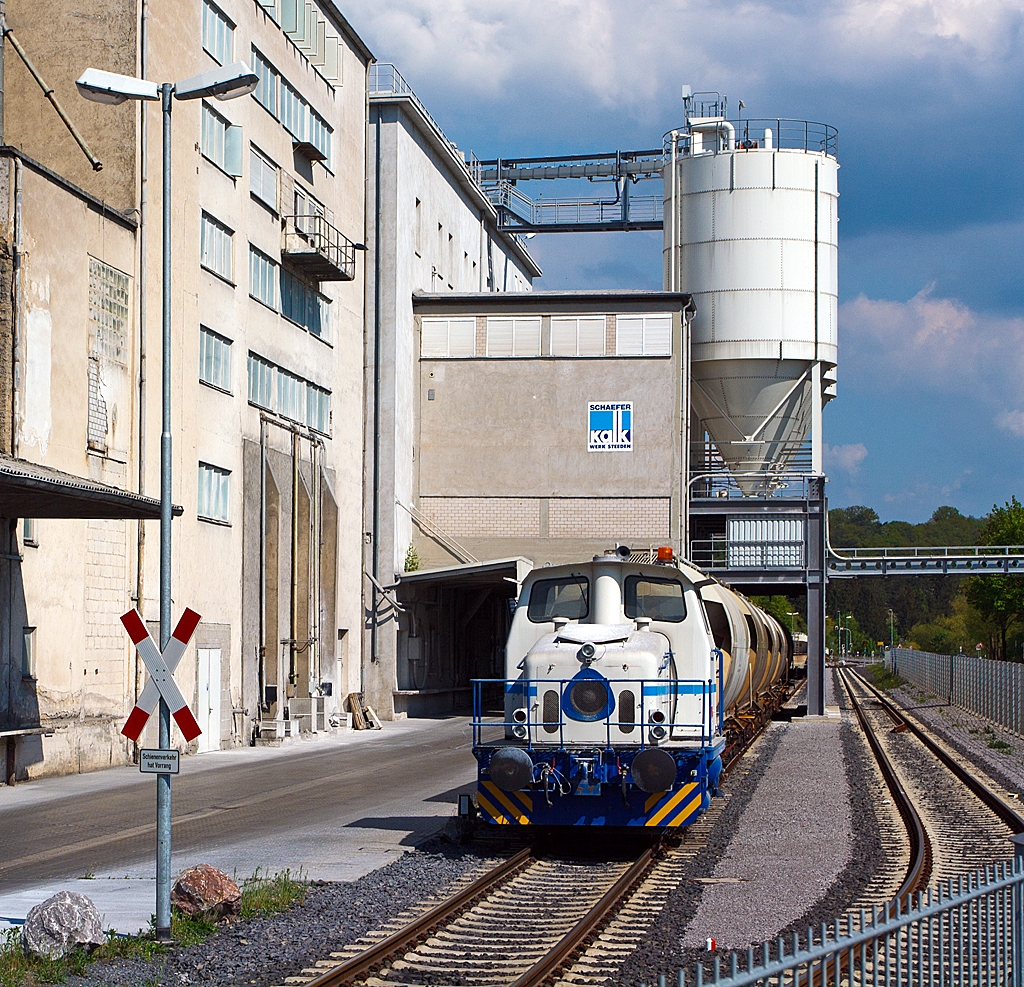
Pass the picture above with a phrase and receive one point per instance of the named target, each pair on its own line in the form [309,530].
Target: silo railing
[751,135]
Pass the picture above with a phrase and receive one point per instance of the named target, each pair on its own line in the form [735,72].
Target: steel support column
[817,512]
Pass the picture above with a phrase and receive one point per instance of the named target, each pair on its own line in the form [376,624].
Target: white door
[209,699]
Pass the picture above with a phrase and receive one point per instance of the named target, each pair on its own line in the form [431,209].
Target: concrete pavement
[335,808]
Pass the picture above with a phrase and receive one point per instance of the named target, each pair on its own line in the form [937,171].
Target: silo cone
[754,240]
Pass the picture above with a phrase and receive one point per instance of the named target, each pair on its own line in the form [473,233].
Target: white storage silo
[751,232]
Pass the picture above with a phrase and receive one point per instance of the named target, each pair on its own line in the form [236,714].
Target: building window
[513,337]
[291,396]
[304,305]
[578,337]
[222,142]
[215,246]
[266,88]
[28,652]
[318,409]
[214,489]
[214,359]
[320,135]
[262,276]
[109,293]
[261,382]
[29,532]
[293,112]
[263,178]
[218,33]
[643,335]
[443,338]
[270,6]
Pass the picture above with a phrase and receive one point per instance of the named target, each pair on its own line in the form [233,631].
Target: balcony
[318,249]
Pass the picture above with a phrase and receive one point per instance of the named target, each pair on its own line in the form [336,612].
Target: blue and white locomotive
[623,682]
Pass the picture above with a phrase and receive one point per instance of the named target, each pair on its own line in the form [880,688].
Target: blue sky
[927,98]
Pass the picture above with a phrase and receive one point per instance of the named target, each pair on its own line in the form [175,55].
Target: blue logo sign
[610,426]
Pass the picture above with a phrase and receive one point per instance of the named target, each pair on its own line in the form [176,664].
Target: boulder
[63,923]
[204,890]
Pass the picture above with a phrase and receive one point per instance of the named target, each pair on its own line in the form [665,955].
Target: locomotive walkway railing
[987,688]
[968,932]
[620,721]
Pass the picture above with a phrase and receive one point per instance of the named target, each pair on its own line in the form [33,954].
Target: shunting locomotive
[624,681]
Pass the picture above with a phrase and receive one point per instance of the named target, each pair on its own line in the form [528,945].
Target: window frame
[212,11]
[655,580]
[257,256]
[205,332]
[208,220]
[265,162]
[259,62]
[223,491]
[546,618]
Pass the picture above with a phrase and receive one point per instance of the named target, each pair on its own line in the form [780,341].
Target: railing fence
[988,688]
[966,932]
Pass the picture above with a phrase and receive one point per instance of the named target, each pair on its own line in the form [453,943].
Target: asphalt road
[316,805]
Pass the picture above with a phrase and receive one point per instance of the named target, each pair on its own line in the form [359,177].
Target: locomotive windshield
[552,598]
[659,599]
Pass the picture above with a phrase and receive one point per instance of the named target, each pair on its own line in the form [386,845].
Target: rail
[360,966]
[750,135]
[645,209]
[696,695]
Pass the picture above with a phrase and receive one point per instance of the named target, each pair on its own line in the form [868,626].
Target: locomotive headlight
[519,715]
[658,730]
[587,652]
[519,731]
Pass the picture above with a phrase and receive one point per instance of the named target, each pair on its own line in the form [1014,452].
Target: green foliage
[999,745]
[882,677]
[263,895]
[780,607]
[412,560]
[190,930]
[20,969]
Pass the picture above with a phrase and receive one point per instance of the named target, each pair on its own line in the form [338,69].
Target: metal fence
[969,931]
[983,686]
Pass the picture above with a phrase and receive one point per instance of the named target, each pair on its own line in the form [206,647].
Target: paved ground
[337,808]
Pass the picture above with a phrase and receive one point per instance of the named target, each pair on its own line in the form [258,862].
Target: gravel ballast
[333,915]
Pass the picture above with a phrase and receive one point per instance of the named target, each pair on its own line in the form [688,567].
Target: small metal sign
[157,762]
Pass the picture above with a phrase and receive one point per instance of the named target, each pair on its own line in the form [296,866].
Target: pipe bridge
[967,560]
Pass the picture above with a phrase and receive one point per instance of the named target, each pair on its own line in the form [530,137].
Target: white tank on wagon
[751,223]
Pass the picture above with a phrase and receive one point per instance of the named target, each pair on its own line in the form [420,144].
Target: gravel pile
[265,951]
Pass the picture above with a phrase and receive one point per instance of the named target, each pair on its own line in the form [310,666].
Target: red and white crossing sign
[161,674]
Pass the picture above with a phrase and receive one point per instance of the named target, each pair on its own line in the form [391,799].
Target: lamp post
[891,629]
[227,82]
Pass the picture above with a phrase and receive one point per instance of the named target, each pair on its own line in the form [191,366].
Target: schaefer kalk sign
[610,426]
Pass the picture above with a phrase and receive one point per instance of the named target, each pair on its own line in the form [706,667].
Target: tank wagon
[624,684]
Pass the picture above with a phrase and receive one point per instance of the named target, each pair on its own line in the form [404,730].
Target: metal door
[209,699]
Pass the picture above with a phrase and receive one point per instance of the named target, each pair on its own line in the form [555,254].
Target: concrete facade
[504,468]
[430,228]
[266,406]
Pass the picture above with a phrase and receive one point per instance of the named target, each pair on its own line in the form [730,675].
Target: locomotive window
[719,624]
[659,599]
[552,598]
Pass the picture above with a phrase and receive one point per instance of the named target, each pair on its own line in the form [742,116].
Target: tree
[1000,599]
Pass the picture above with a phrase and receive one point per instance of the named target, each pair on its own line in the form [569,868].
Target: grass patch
[190,930]
[883,678]
[19,969]
[263,894]
[999,745]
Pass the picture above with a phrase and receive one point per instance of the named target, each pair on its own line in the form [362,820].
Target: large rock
[63,923]
[204,890]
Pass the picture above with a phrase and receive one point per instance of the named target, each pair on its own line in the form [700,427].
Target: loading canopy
[30,490]
[472,574]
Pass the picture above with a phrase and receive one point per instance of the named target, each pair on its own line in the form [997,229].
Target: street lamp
[227,82]
[891,629]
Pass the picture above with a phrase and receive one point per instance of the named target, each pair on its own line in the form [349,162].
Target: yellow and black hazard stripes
[674,808]
[504,808]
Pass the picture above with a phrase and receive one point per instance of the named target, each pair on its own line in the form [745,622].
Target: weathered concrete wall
[62,40]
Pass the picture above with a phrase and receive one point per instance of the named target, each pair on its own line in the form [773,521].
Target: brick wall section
[566,517]
[106,598]
[484,517]
[608,517]
[609,335]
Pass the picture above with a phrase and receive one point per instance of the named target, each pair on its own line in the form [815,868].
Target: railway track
[955,821]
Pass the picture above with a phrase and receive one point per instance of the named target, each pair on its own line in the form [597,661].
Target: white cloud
[624,53]
[846,457]
[930,344]
[1012,422]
